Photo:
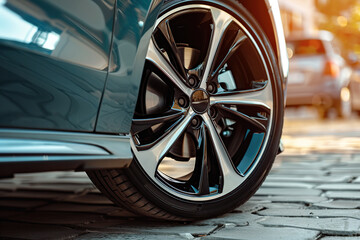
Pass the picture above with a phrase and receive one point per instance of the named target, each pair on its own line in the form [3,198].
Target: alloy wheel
[205,115]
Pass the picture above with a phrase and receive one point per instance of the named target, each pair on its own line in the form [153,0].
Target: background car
[174,108]
[318,75]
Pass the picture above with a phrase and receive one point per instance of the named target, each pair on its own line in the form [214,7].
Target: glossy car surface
[174,104]
[319,76]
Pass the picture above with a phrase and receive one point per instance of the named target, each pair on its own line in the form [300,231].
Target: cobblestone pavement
[313,192]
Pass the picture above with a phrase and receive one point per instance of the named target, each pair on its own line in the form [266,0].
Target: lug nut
[182,102]
[195,122]
[192,81]
[211,88]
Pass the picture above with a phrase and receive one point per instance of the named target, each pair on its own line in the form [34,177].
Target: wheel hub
[200,101]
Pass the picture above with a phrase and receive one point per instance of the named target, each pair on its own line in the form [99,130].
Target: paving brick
[13,230]
[301,172]
[132,236]
[287,192]
[340,238]
[73,207]
[167,229]
[273,184]
[89,199]
[340,187]
[309,179]
[261,233]
[21,203]
[56,187]
[331,226]
[351,195]
[43,195]
[339,204]
[243,219]
[251,206]
[8,187]
[291,199]
[328,213]
[59,218]
[61,181]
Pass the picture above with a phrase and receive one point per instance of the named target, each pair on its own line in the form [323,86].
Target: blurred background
[323,95]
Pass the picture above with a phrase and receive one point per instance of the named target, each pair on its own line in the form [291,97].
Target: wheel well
[259,11]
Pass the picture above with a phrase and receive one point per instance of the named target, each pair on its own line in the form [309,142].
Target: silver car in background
[318,76]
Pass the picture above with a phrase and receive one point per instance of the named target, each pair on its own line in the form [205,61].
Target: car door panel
[53,62]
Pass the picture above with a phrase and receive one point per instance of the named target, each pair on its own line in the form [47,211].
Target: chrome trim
[27,146]
[40,150]
[274,12]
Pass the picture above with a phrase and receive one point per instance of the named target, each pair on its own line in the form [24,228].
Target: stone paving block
[6,212]
[345,170]
[132,236]
[56,187]
[292,199]
[62,218]
[21,203]
[43,195]
[167,229]
[351,195]
[314,213]
[339,204]
[62,181]
[11,230]
[287,192]
[340,238]
[284,205]
[309,179]
[261,233]
[339,187]
[251,206]
[331,226]
[301,172]
[8,186]
[273,184]
[243,219]
[73,207]
[89,199]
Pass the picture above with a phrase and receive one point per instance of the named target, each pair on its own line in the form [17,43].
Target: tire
[208,121]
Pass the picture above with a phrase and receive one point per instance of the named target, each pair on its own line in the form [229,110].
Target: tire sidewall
[204,209]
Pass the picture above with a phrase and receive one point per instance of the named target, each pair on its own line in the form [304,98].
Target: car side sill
[24,151]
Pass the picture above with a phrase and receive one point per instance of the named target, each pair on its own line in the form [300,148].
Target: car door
[54,58]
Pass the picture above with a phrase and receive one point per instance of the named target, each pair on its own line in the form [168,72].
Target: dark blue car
[173,108]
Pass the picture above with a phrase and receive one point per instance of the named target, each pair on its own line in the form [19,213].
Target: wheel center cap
[200,101]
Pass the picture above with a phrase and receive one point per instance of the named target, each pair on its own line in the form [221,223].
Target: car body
[319,76]
[71,77]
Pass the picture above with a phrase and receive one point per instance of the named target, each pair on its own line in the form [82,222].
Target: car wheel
[209,117]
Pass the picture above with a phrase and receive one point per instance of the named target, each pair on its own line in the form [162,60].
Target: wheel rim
[206,110]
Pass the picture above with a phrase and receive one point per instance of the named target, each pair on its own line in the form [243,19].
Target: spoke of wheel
[143,124]
[221,22]
[150,158]
[202,155]
[156,57]
[166,31]
[230,177]
[239,39]
[259,98]
[257,123]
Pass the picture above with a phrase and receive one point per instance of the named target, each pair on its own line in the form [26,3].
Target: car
[173,108]
[318,76]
